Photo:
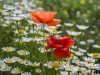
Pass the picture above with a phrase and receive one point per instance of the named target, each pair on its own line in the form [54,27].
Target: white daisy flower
[90,41]
[81,63]
[16,71]
[23,15]
[43,50]
[94,55]
[80,69]
[7,68]
[48,64]
[63,73]
[68,24]
[96,46]
[35,64]
[82,50]
[16,58]
[16,18]
[9,60]
[52,30]
[70,68]
[10,8]
[82,42]
[8,49]
[38,70]
[22,61]
[82,27]
[23,52]
[5,13]
[26,39]
[27,63]
[92,66]
[31,22]
[26,73]
[21,32]
[37,39]
[88,59]
[78,53]
[2,66]
[17,12]
[92,32]
[73,33]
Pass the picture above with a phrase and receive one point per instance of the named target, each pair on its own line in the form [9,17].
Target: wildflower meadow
[49,37]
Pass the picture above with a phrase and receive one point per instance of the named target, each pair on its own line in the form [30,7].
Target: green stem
[55,72]
[91,71]
[68,72]
[17,26]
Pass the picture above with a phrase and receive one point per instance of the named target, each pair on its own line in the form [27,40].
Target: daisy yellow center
[22,61]
[71,69]
[0,66]
[89,60]
[22,4]
[17,71]
[92,67]
[65,12]
[8,49]
[40,37]
[22,53]
[34,64]
[44,34]
[38,71]
[21,31]
[72,55]
[54,31]
[79,68]
[61,62]
[95,54]
[82,1]
[9,61]
[55,65]
[0,10]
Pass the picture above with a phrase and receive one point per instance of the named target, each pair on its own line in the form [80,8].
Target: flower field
[49,37]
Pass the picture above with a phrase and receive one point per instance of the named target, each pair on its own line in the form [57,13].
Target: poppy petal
[51,42]
[50,16]
[54,22]
[67,41]
[57,54]
[61,53]
[35,17]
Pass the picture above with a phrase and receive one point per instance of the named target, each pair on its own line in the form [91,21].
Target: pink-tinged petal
[54,22]
[35,17]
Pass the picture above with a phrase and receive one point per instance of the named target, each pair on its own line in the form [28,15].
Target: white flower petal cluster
[82,27]
[73,33]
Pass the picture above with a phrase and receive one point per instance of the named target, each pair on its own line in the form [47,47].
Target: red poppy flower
[66,41]
[45,17]
[61,53]
[61,46]
[62,42]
